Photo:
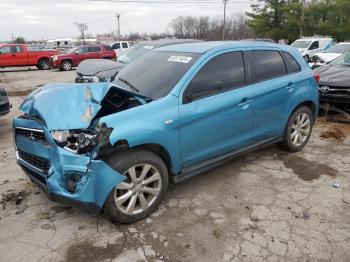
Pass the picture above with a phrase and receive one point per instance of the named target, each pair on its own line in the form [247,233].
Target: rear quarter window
[108,48]
[292,65]
[268,64]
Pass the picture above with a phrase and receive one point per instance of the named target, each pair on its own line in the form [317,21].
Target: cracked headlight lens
[76,141]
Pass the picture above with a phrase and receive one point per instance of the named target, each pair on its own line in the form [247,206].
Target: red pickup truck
[74,56]
[19,55]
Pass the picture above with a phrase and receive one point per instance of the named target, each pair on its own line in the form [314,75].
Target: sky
[37,19]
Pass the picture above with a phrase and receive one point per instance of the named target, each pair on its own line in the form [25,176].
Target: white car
[120,46]
[329,54]
[310,46]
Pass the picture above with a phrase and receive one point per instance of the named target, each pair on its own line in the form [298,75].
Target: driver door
[216,114]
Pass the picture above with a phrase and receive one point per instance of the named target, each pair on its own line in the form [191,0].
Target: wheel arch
[155,148]
[310,104]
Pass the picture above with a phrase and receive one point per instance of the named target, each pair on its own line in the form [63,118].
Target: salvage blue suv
[171,114]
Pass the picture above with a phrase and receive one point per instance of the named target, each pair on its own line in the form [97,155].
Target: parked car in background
[120,46]
[171,114]
[309,46]
[335,81]
[12,55]
[4,102]
[329,54]
[98,70]
[74,56]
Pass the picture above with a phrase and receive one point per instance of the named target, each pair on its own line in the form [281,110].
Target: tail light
[317,78]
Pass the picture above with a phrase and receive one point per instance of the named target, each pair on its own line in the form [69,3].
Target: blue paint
[189,133]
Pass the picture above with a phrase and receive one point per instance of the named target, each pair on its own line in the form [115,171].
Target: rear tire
[143,189]
[44,64]
[66,65]
[298,130]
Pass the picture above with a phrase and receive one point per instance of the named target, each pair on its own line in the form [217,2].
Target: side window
[94,49]
[125,45]
[268,64]
[314,45]
[292,64]
[223,72]
[83,50]
[108,48]
[5,50]
[116,46]
[18,49]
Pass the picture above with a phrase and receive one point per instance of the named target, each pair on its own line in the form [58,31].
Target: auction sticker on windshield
[180,59]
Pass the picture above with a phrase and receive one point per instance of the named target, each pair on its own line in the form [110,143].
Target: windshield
[339,48]
[134,52]
[155,74]
[343,60]
[301,44]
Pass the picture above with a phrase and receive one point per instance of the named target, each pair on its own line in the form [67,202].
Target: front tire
[298,130]
[66,65]
[143,189]
[44,64]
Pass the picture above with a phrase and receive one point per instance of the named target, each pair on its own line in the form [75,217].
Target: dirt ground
[265,206]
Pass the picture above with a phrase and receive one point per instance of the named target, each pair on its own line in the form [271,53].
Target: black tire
[66,65]
[287,143]
[121,162]
[44,64]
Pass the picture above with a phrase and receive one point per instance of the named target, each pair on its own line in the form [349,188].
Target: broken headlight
[76,141]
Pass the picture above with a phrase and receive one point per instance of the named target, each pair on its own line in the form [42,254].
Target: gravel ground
[265,206]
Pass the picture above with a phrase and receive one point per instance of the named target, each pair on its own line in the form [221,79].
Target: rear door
[216,114]
[274,93]
[95,52]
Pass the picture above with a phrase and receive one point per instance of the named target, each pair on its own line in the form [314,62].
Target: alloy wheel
[44,64]
[139,191]
[300,129]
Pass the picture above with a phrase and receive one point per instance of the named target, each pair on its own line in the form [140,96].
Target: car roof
[203,47]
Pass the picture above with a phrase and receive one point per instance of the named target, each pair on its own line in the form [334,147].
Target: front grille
[38,162]
[31,134]
[3,93]
[334,90]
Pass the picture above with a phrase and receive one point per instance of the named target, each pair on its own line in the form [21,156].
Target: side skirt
[196,169]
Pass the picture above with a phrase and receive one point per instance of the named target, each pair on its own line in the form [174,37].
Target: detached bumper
[73,179]
[55,64]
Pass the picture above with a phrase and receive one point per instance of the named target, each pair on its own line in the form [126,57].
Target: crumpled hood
[66,106]
[327,57]
[334,75]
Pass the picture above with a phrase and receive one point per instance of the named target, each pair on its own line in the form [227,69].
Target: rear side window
[108,48]
[292,64]
[224,72]
[268,64]
[116,46]
[18,49]
[94,49]
[125,45]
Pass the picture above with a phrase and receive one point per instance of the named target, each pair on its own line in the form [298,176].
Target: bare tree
[82,28]
[207,28]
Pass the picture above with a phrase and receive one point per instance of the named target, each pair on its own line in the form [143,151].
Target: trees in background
[289,19]
[208,28]
[19,40]
[82,28]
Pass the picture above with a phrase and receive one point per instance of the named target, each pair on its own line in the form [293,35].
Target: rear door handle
[245,101]
[290,86]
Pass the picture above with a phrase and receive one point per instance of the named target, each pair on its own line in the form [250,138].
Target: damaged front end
[58,140]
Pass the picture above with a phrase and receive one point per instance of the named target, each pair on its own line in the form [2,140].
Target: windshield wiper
[129,84]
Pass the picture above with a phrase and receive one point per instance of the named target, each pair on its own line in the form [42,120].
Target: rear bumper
[77,180]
